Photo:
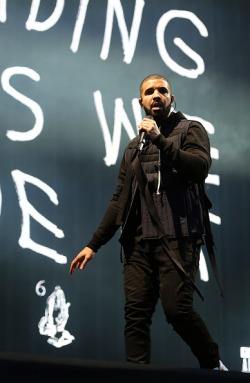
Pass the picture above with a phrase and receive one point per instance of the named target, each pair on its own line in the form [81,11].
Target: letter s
[34,107]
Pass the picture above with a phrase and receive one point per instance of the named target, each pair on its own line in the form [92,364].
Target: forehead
[154,84]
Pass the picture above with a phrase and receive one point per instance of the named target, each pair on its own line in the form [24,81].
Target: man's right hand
[81,259]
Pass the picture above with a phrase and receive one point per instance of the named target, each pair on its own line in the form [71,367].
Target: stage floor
[36,369]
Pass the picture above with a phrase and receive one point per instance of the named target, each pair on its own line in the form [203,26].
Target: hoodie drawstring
[159,175]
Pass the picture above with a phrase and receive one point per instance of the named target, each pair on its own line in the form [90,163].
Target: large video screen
[70,75]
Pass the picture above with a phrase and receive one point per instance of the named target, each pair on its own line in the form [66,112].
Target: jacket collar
[169,124]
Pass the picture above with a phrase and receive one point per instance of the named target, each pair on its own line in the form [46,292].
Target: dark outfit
[174,167]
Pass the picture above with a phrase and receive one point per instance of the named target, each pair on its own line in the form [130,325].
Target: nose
[156,94]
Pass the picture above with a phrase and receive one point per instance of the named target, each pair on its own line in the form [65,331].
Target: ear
[140,102]
[172,99]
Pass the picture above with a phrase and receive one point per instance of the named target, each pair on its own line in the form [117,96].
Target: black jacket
[185,161]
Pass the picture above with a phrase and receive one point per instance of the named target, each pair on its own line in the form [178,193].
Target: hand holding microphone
[149,128]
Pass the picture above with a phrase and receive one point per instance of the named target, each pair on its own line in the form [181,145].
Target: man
[160,204]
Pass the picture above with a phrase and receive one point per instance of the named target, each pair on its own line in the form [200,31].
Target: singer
[161,205]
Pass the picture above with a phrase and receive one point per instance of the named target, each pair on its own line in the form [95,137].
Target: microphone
[143,135]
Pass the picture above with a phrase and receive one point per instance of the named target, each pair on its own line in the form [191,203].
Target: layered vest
[177,201]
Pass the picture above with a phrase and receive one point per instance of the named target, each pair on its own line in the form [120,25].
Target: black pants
[149,274]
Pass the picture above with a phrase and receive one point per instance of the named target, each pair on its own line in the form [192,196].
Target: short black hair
[154,77]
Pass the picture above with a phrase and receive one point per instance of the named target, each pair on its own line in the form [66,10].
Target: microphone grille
[150,117]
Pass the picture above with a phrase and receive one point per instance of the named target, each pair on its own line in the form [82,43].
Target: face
[156,98]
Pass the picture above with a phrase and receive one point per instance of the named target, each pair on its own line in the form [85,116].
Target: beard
[159,115]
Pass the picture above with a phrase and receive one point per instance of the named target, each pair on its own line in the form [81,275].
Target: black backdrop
[59,163]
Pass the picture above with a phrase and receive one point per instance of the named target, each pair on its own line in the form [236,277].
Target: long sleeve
[193,160]
[108,226]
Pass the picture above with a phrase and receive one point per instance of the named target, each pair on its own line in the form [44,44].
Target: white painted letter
[3,14]
[203,268]
[79,25]
[29,211]
[162,24]
[128,42]
[120,118]
[31,23]
[1,199]
[34,107]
